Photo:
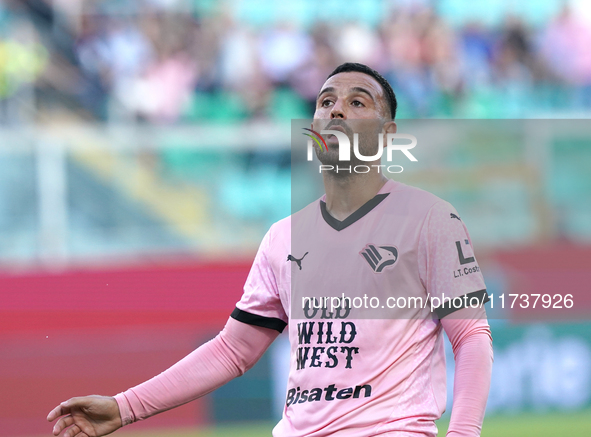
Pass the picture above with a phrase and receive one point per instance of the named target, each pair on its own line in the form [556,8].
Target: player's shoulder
[416,201]
[277,241]
[280,232]
[430,211]
[280,228]
[304,217]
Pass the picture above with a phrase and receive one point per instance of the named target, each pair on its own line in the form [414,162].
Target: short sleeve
[260,304]
[447,265]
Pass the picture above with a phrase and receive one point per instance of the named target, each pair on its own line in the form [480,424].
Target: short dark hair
[361,68]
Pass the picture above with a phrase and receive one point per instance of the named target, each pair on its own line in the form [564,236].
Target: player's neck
[346,195]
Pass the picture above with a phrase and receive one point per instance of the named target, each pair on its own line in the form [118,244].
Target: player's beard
[368,134]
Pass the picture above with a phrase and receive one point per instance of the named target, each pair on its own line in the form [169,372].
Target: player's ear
[388,128]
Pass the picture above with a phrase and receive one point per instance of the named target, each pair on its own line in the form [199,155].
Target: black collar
[360,213]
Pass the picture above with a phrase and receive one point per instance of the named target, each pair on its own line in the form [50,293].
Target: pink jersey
[367,368]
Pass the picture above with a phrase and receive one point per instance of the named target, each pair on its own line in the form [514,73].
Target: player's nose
[337,111]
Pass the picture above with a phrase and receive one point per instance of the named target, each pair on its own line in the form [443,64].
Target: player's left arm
[471,340]
[449,271]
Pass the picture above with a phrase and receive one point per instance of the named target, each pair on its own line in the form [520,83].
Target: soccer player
[351,373]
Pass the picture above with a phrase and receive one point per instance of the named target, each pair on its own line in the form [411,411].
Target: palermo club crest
[379,257]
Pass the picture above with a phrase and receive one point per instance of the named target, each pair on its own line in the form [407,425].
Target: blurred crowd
[159,65]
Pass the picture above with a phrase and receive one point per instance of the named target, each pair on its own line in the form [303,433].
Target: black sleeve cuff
[457,303]
[256,320]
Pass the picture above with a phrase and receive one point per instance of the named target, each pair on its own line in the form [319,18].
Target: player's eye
[357,103]
[325,103]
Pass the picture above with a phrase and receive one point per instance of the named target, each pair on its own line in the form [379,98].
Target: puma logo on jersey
[297,261]
[379,257]
[452,215]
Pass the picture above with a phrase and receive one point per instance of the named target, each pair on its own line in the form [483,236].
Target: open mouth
[337,127]
[332,140]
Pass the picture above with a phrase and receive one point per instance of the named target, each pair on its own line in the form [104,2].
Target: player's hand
[87,416]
